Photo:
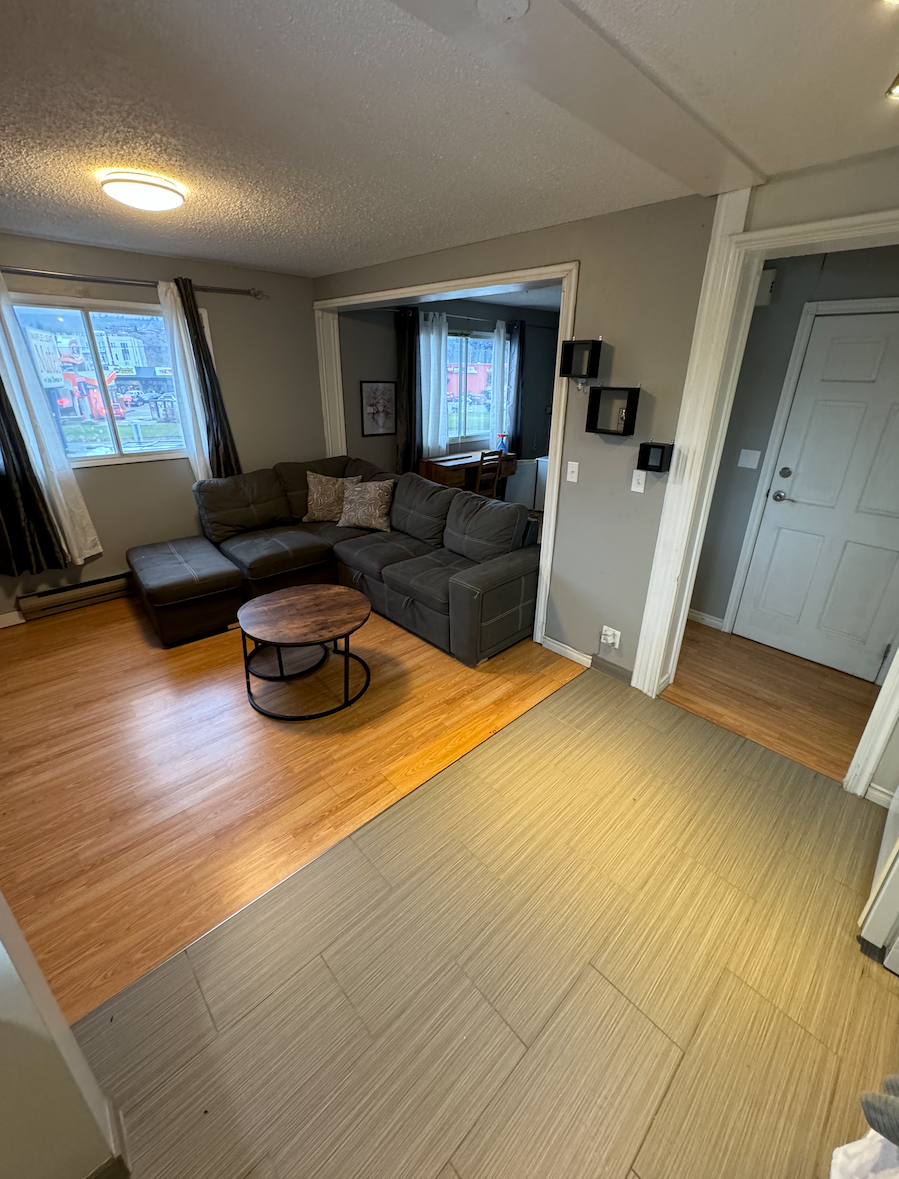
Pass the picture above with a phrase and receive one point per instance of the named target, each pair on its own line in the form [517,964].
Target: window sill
[115,460]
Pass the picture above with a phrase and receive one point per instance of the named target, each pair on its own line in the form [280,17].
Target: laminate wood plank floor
[611,940]
[810,713]
[143,801]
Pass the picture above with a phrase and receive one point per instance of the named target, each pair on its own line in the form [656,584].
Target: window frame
[113,306]
[467,439]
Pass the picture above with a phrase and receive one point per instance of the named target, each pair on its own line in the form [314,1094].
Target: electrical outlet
[610,637]
[638,481]
[572,472]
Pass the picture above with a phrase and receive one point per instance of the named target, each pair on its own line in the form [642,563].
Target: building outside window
[469,386]
[106,370]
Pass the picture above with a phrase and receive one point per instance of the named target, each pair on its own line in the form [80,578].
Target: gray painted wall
[367,353]
[853,274]
[265,353]
[640,275]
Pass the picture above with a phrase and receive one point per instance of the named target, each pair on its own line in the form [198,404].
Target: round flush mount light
[893,91]
[142,190]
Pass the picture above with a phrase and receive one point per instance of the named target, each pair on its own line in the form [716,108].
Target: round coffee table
[293,631]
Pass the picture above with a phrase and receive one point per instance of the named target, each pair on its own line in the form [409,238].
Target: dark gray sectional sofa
[457,569]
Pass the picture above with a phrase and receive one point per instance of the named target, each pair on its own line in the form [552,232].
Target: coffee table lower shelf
[282,662]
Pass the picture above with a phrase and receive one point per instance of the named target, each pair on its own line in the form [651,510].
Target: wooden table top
[304,614]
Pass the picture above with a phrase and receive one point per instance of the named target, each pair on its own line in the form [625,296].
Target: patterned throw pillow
[368,506]
[326,496]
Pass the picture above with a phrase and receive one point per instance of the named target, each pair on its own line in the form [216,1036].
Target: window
[108,378]
[469,386]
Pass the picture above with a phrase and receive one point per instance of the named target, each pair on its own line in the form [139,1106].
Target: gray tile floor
[504,975]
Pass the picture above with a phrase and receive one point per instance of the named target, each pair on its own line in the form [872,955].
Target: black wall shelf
[612,411]
[580,359]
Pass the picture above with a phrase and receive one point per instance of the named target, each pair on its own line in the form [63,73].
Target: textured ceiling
[545,298]
[792,83]
[316,137]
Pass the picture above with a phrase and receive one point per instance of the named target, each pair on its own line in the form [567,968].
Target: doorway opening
[490,329]
[794,614]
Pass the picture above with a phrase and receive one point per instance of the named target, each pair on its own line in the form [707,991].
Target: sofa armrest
[492,605]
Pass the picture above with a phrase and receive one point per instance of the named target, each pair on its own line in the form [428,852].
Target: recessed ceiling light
[142,190]
[893,91]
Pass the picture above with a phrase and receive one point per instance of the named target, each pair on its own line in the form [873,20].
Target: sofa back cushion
[241,503]
[480,528]
[369,471]
[420,508]
[293,479]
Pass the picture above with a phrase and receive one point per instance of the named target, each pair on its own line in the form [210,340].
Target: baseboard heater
[73,597]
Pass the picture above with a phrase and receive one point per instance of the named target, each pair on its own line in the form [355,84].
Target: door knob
[780,497]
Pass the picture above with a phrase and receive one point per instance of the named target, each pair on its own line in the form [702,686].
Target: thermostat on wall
[655,456]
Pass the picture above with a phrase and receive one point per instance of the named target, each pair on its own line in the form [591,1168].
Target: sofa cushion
[427,578]
[326,496]
[373,552]
[480,528]
[275,550]
[420,508]
[178,570]
[369,472]
[331,533]
[241,503]
[293,479]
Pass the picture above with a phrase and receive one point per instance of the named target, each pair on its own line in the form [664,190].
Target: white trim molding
[689,490]
[733,268]
[327,313]
[569,652]
[704,620]
[766,473]
[12,619]
[882,795]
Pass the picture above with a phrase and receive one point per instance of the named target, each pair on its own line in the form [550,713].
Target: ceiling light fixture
[893,91]
[142,190]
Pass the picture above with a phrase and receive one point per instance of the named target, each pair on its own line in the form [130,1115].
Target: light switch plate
[638,481]
[749,458]
[572,472]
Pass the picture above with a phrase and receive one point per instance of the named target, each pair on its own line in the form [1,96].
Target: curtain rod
[253,292]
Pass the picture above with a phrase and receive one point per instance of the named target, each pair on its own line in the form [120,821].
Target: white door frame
[733,269]
[328,336]
[779,427]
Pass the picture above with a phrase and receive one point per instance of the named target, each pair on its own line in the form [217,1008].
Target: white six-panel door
[823,582]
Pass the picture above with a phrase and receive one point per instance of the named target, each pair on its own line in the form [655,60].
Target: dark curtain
[408,391]
[223,459]
[515,330]
[29,539]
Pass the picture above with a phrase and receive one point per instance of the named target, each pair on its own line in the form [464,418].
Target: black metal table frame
[286,676]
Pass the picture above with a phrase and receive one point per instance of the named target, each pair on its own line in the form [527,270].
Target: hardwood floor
[809,713]
[142,800]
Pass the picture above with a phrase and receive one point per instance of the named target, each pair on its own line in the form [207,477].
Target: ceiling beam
[555,50]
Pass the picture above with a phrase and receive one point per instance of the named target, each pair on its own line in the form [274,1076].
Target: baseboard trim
[880,794]
[623,674]
[114,1168]
[568,652]
[12,619]
[706,619]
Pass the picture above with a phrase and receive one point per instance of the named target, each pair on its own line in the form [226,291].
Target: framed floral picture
[378,407]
